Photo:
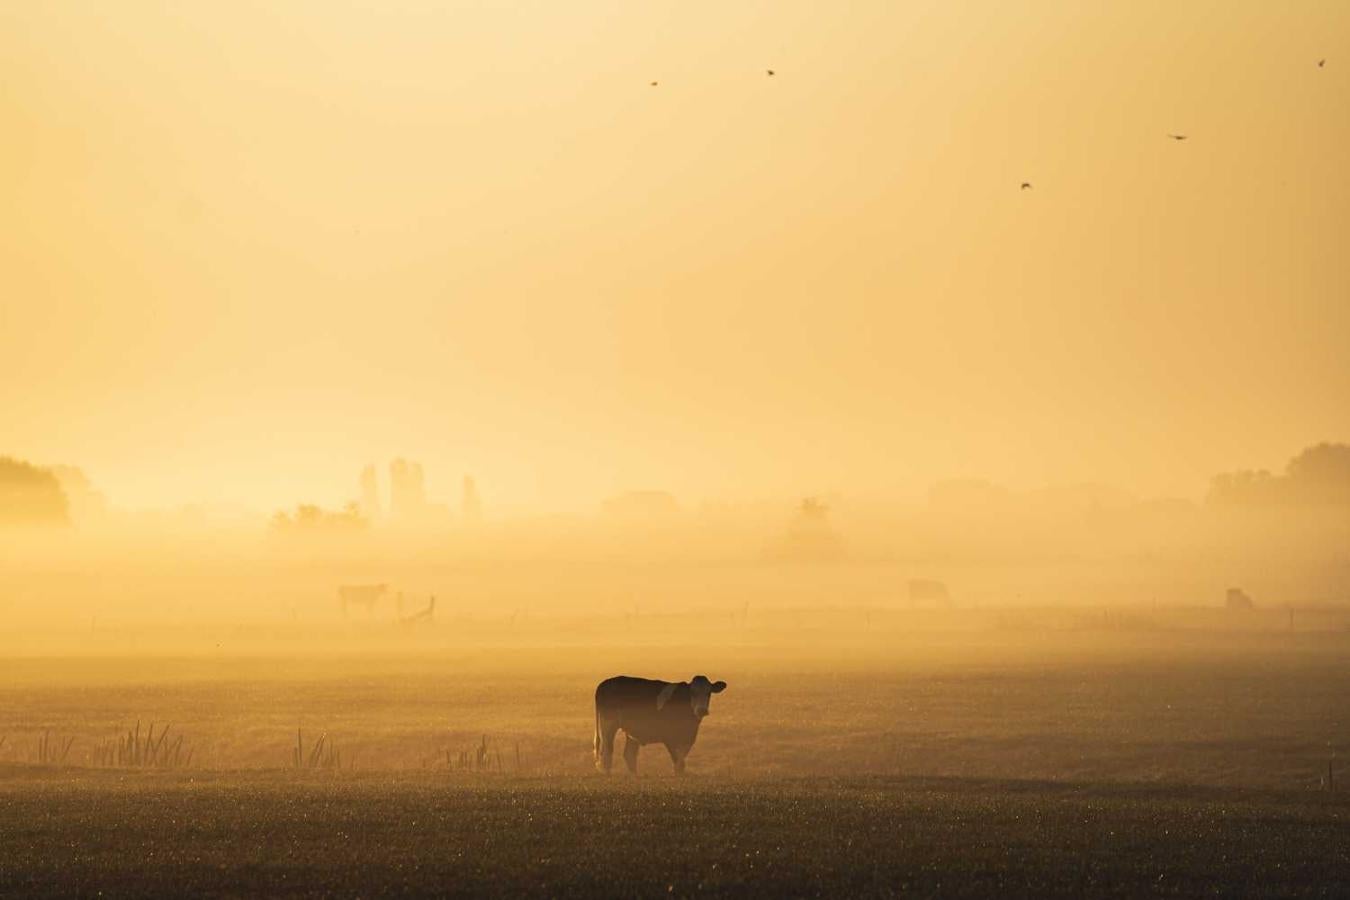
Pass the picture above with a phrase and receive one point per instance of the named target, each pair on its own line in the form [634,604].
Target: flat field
[381,834]
[924,760]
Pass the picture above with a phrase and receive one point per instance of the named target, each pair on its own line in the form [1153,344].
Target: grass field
[925,761]
[380,834]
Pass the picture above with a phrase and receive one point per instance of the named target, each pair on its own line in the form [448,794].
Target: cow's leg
[677,755]
[630,752]
[608,729]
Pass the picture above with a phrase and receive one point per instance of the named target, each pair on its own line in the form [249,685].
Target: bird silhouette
[1321,63]
[770,71]
[1026,185]
[1177,137]
[653,84]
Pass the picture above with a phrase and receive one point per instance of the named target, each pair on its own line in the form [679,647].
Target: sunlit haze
[249,248]
[675,449]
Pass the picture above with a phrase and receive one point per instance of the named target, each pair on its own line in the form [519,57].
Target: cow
[366,595]
[1237,598]
[925,591]
[650,712]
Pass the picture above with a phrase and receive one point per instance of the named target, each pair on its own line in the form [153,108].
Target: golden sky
[249,246]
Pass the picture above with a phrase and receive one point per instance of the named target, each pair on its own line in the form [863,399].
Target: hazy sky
[248,247]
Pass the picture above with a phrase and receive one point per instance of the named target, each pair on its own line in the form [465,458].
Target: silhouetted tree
[30,495]
[813,509]
[311,519]
[83,502]
[1319,476]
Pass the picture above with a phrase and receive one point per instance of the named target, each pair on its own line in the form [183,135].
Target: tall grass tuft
[323,755]
[129,751]
[478,759]
[52,753]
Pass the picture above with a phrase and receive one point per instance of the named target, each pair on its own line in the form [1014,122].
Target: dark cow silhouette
[366,595]
[650,712]
[923,590]
[1237,598]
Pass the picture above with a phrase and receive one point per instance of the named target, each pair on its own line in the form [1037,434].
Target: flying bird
[1026,185]
[770,71]
[1321,63]
[1177,137]
[653,84]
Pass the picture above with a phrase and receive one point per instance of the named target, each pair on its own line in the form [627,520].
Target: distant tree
[813,509]
[809,537]
[1245,488]
[312,519]
[30,495]
[83,501]
[1319,476]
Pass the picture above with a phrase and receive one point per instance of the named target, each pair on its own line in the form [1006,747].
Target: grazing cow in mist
[366,595]
[922,590]
[1237,599]
[650,712]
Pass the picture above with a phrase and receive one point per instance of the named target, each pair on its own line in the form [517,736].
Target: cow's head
[701,691]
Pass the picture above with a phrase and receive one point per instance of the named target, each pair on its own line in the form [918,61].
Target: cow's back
[625,692]
[361,593]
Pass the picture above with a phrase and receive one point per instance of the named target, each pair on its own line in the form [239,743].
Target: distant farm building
[470,505]
[407,492]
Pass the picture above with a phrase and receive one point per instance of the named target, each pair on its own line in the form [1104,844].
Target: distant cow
[922,590]
[650,712]
[366,595]
[421,617]
[1237,599]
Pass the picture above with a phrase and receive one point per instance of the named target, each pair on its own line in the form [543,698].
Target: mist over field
[673,449]
[90,568]
[858,636]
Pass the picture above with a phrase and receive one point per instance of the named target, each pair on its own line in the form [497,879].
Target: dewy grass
[130,751]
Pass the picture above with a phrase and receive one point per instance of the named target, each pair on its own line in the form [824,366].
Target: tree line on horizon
[31,495]
[1318,477]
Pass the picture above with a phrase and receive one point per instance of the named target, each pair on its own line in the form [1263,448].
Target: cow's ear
[719,686]
[664,697]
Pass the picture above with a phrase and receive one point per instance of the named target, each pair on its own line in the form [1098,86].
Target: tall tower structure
[470,506]
[370,493]
[407,495]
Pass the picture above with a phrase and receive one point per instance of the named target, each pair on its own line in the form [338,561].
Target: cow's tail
[597,735]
